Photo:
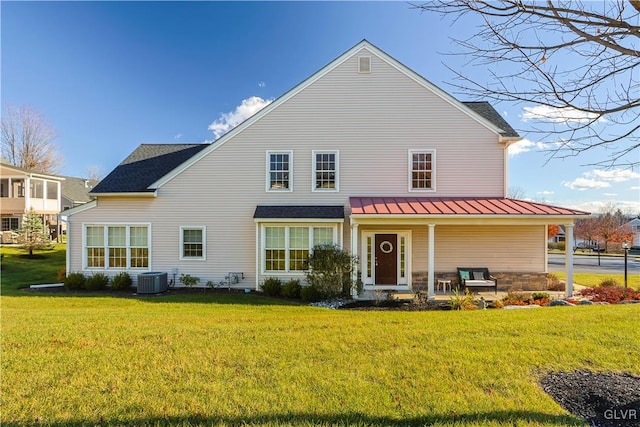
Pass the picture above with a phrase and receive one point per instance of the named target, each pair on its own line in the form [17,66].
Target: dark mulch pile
[386,305]
[601,399]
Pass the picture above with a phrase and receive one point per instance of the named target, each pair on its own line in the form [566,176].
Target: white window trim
[127,225]
[204,243]
[287,227]
[268,171]
[410,170]
[314,188]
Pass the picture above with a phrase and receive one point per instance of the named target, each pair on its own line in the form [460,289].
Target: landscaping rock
[629,302]
[559,302]
[585,302]
[601,399]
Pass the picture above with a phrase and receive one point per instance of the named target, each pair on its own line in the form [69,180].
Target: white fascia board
[138,194]
[298,220]
[372,219]
[89,205]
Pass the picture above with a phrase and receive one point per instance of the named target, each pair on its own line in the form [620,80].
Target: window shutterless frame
[279,171]
[422,170]
[325,171]
[193,243]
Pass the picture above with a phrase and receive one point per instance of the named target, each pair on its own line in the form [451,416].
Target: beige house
[365,153]
[23,189]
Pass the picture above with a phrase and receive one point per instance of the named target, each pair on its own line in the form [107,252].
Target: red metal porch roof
[453,206]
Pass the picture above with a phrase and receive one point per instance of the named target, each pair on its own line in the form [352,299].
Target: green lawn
[217,359]
[230,360]
[20,271]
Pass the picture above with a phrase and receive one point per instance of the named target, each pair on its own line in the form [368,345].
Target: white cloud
[599,178]
[262,84]
[524,146]
[616,175]
[178,137]
[546,193]
[556,115]
[610,194]
[582,184]
[247,108]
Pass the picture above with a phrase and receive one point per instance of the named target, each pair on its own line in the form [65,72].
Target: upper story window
[37,189]
[325,171]
[192,242]
[279,171]
[422,167]
[52,190]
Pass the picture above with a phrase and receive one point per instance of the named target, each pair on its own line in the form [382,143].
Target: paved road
[589,264]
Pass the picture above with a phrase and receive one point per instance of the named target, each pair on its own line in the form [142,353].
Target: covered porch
[406,245]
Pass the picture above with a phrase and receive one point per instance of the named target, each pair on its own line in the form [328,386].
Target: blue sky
[112,75]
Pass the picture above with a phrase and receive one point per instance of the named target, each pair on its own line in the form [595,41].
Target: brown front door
[386,259]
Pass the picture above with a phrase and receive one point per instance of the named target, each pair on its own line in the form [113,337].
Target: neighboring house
[634,227]
[75,191]
[560,237]
[23,189]
[365,153]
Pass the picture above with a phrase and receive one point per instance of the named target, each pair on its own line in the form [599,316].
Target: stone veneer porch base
[506,281]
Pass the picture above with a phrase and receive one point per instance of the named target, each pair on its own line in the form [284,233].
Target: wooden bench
[477,277]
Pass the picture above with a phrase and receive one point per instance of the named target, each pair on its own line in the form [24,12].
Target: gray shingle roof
[147,164]
[485,109]
[298,211]
[77,189]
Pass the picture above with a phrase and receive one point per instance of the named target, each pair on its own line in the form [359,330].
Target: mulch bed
[601,399]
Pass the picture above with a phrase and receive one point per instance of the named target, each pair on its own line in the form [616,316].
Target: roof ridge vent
[364,64]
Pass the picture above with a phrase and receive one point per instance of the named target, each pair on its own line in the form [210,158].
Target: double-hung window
[193,243]
[287,248]
[117,247]
[422,166]
[279,170]
[325,171]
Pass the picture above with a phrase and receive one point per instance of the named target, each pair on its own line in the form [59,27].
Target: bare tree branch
[27,140]
[578,60]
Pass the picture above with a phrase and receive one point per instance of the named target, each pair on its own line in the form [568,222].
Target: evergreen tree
[32,234]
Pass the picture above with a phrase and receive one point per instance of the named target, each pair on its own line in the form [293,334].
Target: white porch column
[431,273]
[569,258]
[354,253]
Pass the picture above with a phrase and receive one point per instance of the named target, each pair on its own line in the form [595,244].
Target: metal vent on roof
[364,64]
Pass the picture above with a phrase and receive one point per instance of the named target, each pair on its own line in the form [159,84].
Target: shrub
[188,280]
[554,283]
[121,282]
[310,294]
[272,286]
[291,289]
[466,301]
[516,298]
[62,273]
[74,281]
[610,283]
[557,245]
[97,282]
[540,295]
[330,270]
[610,294]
